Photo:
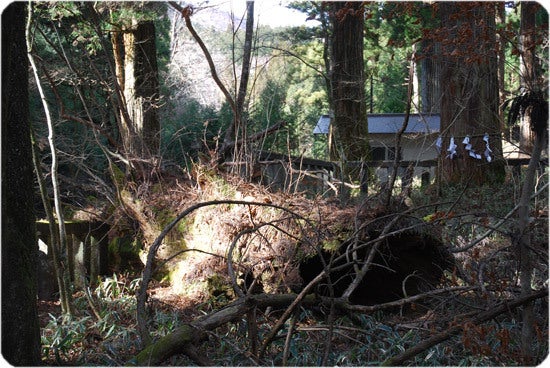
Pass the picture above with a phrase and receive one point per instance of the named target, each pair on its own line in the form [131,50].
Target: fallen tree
[183,338]
[141,296]
[186,338]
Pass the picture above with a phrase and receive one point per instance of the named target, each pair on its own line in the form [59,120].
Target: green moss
[331,245]
[217,287]
[184,225]
[164,217]
[219,187]
[118,176]
[124,253]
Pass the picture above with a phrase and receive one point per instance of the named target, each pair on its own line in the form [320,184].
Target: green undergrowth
[365,340]
[463,213]
[355,340]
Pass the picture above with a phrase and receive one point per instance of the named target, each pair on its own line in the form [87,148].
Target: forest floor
[80,340]
[197,283]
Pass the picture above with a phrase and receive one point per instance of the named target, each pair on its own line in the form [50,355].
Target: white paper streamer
[452,148]
[439,144]
[487,148]
[468,147]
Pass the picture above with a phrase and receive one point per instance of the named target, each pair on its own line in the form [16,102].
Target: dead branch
[341,303]
[300,299]
[229,259]
[400,132]
[493,228]
[184,337]
[186,15]
[360,274]
[456,329]
[288,339]
[255,137]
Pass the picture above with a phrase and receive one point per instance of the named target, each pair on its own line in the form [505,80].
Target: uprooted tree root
[148,270]
[250,307]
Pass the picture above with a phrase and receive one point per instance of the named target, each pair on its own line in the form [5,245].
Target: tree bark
[348,134]
[236,127]
[429,81]
[501,47]
[20,329]
[349,126]
[529,72]
[141,87]
[118,53]
[469,87]
[136,58]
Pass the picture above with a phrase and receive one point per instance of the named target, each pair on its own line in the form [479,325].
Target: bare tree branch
[454,330]
[186,14]
[256,136]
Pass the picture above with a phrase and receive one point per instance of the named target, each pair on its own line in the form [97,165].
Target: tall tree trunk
[469,101]
[349,129]
[326,33]
[429,81]
[237,130]
[140,126]
[349,126]
[528,67]
[535,105]
[533,138]
[428,77]
[501,47]
[247,53]
[20,328]
[523,252]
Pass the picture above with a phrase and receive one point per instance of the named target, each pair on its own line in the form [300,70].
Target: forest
[185,184]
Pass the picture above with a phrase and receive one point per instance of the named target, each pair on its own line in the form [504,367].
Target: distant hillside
[189,70]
